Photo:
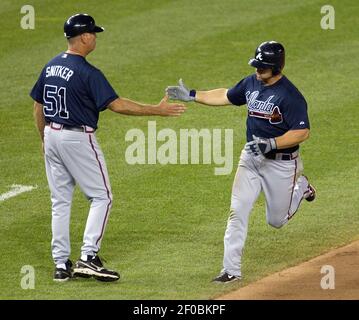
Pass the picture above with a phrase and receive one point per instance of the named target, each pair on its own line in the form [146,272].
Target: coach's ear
[85,38]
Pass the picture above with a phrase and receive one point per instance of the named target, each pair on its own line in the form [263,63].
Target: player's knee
[105,197]
[238,206]
[109,199]
[276,223]
[234,214]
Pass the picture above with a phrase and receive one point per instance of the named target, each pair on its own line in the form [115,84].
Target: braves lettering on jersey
[272,110]
[72,91]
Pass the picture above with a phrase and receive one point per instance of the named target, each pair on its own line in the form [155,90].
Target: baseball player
[69,95]
[277,123]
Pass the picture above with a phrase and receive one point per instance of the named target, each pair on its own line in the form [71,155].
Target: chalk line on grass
[16,189]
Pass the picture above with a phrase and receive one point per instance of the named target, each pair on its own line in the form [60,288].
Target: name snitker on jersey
[59,71]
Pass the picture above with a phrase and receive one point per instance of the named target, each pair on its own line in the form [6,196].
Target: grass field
[165,233]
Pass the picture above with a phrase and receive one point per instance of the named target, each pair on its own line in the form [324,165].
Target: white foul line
[15,190]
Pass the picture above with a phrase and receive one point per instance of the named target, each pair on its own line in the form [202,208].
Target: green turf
[165,233]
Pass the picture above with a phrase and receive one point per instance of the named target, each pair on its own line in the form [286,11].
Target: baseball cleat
[93,267]
[226,278]
[61,274]
[312,193]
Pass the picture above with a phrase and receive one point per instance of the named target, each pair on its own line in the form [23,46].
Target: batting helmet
[269,55]
[80,23]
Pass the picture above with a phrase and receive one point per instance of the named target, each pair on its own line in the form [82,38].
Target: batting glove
[180,92]
[260,145]
[252,148]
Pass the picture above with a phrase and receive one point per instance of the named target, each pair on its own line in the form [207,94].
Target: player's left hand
[180,92]
[260,145]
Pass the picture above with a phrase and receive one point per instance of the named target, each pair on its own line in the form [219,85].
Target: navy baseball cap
[80,23]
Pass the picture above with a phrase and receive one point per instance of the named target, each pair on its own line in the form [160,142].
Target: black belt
[72,128]
[58,126]
[282,156]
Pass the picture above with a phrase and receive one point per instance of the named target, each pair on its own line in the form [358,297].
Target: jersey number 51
[55,101]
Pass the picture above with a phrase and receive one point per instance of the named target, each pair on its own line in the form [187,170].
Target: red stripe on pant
[291,195]
[108,191]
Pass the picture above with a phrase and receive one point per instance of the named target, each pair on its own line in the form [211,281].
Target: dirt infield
[303,282]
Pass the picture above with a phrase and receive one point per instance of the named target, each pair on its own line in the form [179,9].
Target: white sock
[61,266]
[84,257]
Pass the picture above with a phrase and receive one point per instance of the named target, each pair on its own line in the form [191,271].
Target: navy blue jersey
[272,110]
[72,91]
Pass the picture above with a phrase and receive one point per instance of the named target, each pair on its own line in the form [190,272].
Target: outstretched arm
[216,97]
[129,107]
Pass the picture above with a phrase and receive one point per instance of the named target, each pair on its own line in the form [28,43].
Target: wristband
[192,93]
[273,143]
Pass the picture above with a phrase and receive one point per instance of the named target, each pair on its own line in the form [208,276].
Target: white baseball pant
[75,157]
[284,188]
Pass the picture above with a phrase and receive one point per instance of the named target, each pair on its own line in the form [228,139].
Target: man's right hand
[166,109]
[179,92]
